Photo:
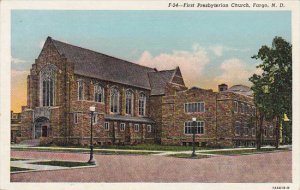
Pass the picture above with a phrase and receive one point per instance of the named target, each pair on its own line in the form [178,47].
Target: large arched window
[129,102]
[142,104]
[114,100]
[47,85]
[98,93]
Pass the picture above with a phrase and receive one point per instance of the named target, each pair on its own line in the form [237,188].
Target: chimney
[223,87]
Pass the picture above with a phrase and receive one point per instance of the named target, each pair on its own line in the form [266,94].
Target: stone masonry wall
[174,116]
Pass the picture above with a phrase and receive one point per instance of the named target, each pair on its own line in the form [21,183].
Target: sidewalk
[32,167]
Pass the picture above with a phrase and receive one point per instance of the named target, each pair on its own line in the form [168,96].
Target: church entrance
[41,127]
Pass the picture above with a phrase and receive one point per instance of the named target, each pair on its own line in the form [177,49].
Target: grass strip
[17,169]
[198,156]
[247,151]
[108,152]
[62,163]
[86,150]
[153,147]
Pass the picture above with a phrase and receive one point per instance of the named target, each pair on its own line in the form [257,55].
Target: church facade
[134,104]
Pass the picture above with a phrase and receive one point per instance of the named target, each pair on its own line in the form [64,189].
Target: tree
[273,88]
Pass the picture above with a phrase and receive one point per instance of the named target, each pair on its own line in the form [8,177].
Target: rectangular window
[136,127]
[95,118]
[253,131]
[75,117]
[106,126]
[149,128]
[236,106]
[122,127]
[237,128]
[188,127]
[194,107]
[80,90]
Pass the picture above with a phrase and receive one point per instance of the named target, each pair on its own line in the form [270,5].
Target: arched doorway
[41,127]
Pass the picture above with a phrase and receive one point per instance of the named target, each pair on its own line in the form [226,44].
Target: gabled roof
[158,81]
[104,67]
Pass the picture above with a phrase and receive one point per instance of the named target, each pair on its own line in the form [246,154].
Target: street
[255,168]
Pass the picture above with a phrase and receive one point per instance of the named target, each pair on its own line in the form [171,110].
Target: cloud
[218,50]
[17,61]
[235,71]
[191,63]
[19,73]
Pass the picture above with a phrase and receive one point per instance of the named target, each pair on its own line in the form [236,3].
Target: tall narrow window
[75,118]
[122,127]
[142,104]
[98,93]
[253,131]
[95,118]
[80,89]
[149,128]
[265,131]
[236,106]
[129,102]
[242,108]
[237,128]
[271,131]
[114,100]
[47,85]
[246,129]
[106,126]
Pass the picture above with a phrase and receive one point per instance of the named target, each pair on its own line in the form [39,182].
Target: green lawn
[155,147]
[122,152]
[198,156]
[86,150]
[247,151]
[63,163]
[17,169]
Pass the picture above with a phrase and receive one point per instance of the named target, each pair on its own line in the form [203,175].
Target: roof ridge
[100,53]
[162,71]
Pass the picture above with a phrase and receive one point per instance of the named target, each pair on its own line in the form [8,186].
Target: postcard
[149,94]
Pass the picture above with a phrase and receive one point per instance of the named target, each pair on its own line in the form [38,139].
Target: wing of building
[134,104]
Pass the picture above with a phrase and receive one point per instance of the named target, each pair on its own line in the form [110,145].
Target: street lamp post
[194,133]
[91,160]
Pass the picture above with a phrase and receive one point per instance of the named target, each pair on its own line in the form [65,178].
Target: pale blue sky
[126,34]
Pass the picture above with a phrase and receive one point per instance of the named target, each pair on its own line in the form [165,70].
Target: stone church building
[134,104]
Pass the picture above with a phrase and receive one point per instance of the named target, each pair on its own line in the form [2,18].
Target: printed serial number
[281,187]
